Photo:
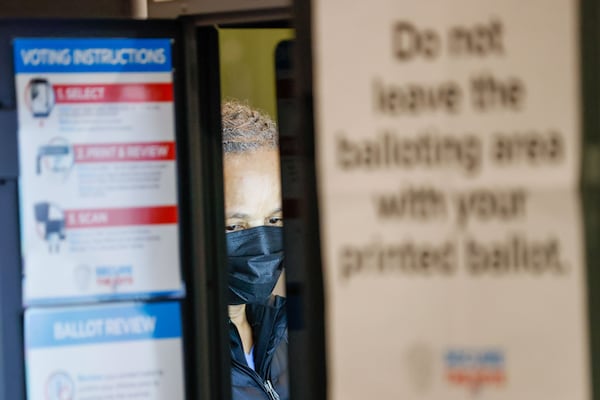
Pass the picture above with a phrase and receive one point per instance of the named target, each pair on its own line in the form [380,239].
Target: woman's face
[252,190]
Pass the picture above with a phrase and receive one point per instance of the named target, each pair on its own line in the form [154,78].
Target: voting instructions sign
[99,215]
[448,156]
[120,351]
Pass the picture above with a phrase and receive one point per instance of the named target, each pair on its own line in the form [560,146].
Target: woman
[253,223]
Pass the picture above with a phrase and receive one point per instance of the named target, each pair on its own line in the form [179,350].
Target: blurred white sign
[448,140]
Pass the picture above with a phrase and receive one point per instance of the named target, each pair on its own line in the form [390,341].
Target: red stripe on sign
[97,218]
[113,93]
[114,152]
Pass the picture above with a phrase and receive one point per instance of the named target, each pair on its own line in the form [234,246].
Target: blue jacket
[270,380]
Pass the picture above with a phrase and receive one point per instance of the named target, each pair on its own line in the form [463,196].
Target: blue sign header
[101,324]
[92,55]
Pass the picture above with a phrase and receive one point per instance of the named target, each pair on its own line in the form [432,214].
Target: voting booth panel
[120,208]
[102,195]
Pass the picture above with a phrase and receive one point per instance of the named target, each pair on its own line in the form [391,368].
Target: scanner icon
[51,219]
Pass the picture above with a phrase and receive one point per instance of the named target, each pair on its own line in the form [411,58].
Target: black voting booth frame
[306,324]
[197,99]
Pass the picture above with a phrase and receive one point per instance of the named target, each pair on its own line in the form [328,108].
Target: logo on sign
[114,276]
[475,368]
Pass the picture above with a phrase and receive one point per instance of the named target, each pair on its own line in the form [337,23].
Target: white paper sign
[105,352]
[448,139]
[98,168]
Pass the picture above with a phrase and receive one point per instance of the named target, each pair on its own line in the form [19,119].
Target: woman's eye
[278,221]
[234,227]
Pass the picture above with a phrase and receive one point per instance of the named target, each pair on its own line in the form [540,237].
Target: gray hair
[246,129]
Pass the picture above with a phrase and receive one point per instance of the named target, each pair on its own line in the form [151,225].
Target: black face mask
[255,262]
